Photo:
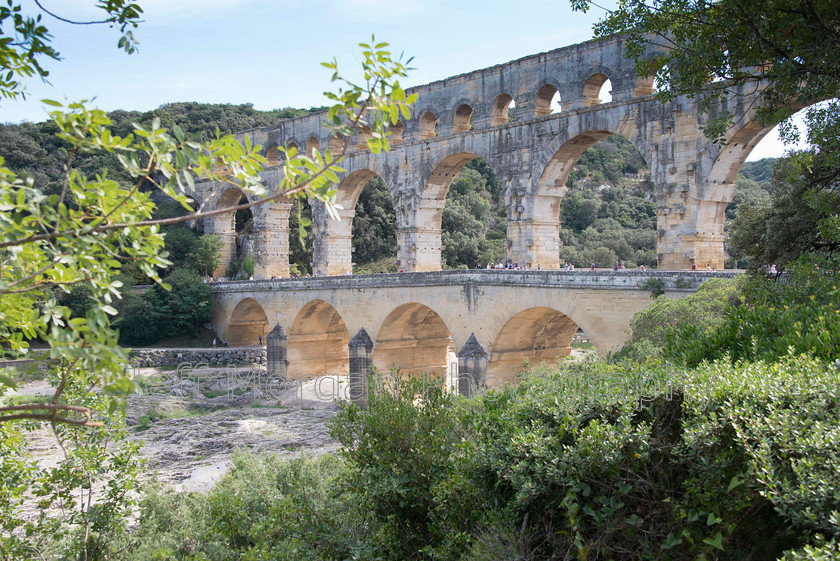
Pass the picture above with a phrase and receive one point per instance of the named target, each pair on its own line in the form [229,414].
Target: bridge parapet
[677,281]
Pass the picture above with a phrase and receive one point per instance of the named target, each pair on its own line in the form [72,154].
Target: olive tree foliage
[48,243]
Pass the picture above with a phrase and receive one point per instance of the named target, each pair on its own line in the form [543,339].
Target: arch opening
[608,217]
[336,144]
[272,156]
[300,250]
[414,339]
[474,219]
[395,135]
[462,121]
[598,190]
[547,101]
[596,90]
[362,136]
[428,126]
[502,109]
[535,335]
[740,176]
[374,229]
[248,323]
[235,228]
[317,342]
[312,145]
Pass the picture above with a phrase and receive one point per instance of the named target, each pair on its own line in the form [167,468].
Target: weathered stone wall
[174,357]
[460,118]
[416,319]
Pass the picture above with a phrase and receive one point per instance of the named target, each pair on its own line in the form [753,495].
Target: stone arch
[396,136]
[428,126]
[247,324]
[272,156]
[415,339]
[592,88]
[461,119]
[224,225]
[501,106]
[542,100]
[317,342]
[728,162]
[536,334]
[292,144]
[419,242]
[721,168]
[312,144]
[562,153]
[336,144]
[333,253]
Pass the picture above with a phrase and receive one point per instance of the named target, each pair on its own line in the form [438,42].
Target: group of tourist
[709,267]
[509,265]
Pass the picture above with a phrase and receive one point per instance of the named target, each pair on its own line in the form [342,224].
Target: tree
[786,226]
[206,254]
[184,306]
[22,52]
[85,228]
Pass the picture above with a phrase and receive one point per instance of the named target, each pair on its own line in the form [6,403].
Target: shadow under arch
[536,334]
[317,342]
[415,339]
[247,324]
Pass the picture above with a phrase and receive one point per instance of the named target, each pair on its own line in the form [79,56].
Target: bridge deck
[599,279]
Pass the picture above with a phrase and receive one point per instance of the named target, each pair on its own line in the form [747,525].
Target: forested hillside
[608,215]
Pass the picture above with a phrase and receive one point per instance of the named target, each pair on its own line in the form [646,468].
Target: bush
[797,314]
[703,310]
[398,451]
[605,461]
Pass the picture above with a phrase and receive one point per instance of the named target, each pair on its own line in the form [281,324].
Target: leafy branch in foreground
[25,41]
[86,232]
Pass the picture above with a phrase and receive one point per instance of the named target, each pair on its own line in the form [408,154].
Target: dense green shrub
[703,309]
[606,461]
[795,314]
[398,451]
[263,508]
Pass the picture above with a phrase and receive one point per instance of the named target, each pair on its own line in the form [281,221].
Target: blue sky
[268,53]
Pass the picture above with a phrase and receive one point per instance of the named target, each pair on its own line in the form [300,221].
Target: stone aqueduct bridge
[466,116]
[417,320]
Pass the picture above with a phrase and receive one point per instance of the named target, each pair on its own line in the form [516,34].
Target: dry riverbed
[189,423]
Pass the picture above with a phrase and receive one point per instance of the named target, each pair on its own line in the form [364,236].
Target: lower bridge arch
[248,323]
[415,339]
[536,334]
[317,342]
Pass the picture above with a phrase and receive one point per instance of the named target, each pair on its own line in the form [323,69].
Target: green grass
[582,345]
[25,399]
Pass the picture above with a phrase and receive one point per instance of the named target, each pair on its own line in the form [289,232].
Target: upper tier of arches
[481,99]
